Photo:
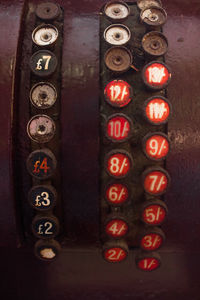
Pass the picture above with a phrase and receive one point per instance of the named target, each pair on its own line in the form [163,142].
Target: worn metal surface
[81,273]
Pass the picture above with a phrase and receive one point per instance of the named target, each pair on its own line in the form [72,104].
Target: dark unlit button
[41,164]
[45,227]
[153,16]
[48,11]
[143,4]
[47,250]
[43,95]
[155,44]
[118,59]
[41,128]
[43,63]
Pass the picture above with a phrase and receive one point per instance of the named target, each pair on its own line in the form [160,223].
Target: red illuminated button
[156,146]
[148,261]
[154,212]
[156,75]
[157,110]
[117,194]
[115,251]
[152,239]
[118,128]
[118,93]
[156,181]
[116,227]
[118,164]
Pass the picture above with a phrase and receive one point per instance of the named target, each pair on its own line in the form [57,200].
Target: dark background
[80,272]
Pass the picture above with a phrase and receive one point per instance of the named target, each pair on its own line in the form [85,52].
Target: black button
[45,227]
[43,63]
[42,197]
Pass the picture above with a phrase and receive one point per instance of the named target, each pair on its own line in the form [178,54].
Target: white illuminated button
[45,35]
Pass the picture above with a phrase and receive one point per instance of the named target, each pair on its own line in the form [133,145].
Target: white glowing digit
[114,165]
[156,74]
[113,228]
[48,226]
[115,128]
[113,193]
[157,110]
[154,179]
[154,146]
[47,57]
[115,92]
[148,241]
[150,216]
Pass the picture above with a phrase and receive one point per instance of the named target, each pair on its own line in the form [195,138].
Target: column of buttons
[156,76]
[117,130]
[41,128]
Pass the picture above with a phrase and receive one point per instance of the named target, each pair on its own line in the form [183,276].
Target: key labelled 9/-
[116,194]
[154,212]
[42,197]
[156,180]
[152,239]
[118,93]
[156,146]
[115,251]
[157,110]
[118,128]
[41,164]
[148,261]
[116,226]
[118,163]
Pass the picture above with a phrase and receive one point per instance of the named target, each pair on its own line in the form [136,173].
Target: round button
[143,4]
[43,95]
[116,10]
[45,227]
[116,226]
[156,75]
[47,250]
[117,194]
[152,239]
[157,110]
[118,59]
[153,16]
[41,128]
[118,93]
[45,35]
[156,145]
[155,180]
[118,163]
[42,197]
[118,128]
[148,261]
[41,164]
[48,11]
[117,34]
[43,63]
[115,251]
[154,212]
[155,43]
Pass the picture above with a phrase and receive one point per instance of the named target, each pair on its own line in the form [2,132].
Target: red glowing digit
[118,93]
